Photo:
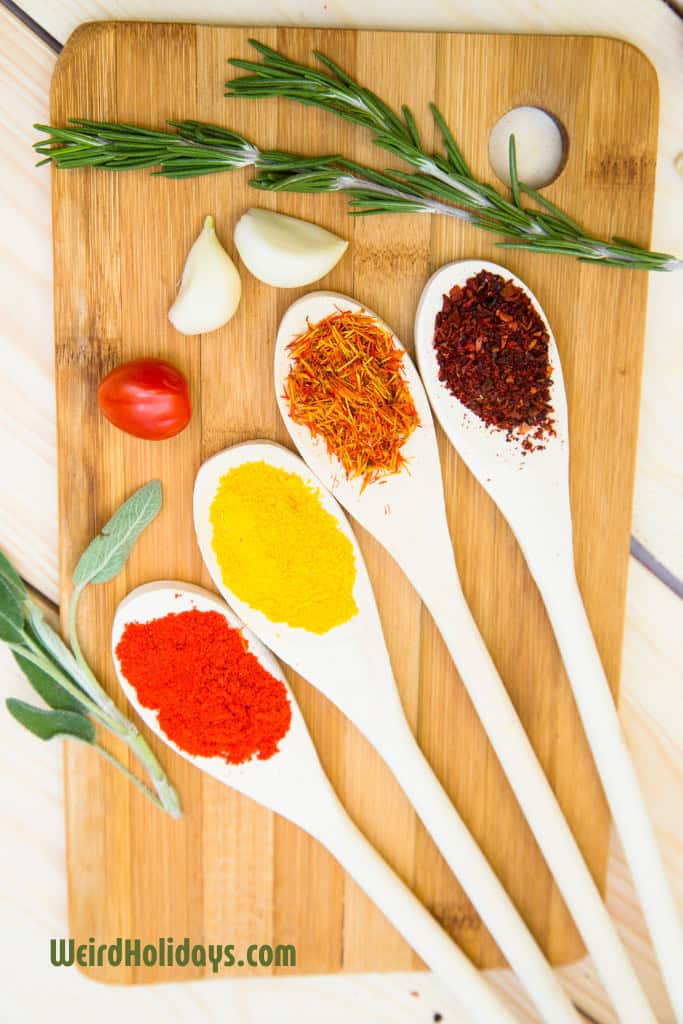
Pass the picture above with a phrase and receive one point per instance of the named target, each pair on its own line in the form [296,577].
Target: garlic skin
[210,288]
[284,251]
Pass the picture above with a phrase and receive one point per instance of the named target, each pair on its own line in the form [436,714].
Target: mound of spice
[347,385]
[213,696]
[492,349]
[280,551]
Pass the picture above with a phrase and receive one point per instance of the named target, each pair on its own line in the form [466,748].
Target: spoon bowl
[340,660]
[263,780]
[500,464]
[389,506]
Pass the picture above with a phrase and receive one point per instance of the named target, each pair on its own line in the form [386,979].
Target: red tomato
[147,398]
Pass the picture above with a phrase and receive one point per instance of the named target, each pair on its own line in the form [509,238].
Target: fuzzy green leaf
[12,578]
[55,647]
[48,724]
[11,614]
[46,687]
[107,554]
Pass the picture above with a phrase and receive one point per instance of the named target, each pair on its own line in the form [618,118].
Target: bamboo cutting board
[231,872]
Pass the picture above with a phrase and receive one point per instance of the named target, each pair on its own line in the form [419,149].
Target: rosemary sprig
[61,676]
[443,175]
[194,148]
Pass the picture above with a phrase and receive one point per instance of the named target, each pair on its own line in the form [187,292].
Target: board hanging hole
[541,144]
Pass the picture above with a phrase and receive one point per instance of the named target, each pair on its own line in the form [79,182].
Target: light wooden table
[32,876]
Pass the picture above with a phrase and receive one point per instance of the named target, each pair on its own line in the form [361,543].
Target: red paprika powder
[213,696]
[492,349]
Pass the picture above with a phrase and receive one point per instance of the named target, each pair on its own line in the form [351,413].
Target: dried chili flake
[347,385]
[492,349]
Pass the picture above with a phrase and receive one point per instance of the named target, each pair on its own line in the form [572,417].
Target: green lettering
[61,958]
[149,955]
[215,956]
[132,952]
[285,956]
[182,953]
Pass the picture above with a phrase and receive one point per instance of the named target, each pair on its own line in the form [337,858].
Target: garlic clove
[284,251]
[210,288]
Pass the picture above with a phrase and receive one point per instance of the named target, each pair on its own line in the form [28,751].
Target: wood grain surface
[120,242]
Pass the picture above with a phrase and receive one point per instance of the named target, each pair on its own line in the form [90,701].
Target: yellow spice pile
[280,551]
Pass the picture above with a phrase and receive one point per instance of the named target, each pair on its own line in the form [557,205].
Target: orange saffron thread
[347,386]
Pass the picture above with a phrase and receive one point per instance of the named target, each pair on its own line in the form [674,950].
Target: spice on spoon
[213,696]
[492,349]
[347,385]
[279,550]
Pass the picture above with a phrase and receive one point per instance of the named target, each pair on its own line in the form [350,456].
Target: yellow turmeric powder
[280,551]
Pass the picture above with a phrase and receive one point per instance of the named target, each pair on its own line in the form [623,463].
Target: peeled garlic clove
[284,251]
[210,288]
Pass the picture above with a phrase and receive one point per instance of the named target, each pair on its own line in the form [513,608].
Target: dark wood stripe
[33,25]
[653,565]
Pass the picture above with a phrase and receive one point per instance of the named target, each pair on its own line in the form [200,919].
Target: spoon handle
[335,830]
[616,770]
[536,798]
[467,862]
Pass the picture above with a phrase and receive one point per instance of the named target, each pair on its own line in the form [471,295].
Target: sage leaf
[61,676]
[48,724]
[107,554]
[54,645]
[11,614]
[12,578]
[46,687]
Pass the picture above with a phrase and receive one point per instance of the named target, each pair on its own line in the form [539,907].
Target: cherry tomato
[147,398]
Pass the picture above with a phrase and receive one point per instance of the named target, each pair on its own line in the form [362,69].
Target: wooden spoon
[350,665]
[407,515]
[532,492]
[293,784]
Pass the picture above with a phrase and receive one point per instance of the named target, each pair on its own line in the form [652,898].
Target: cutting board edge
[99,26]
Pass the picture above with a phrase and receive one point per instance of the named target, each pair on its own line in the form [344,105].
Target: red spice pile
[213,696]
[492,349]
